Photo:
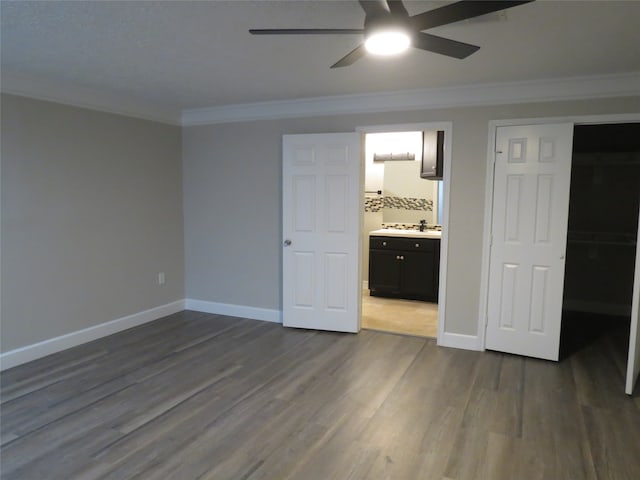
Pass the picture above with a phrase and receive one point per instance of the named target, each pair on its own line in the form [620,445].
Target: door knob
[287,242]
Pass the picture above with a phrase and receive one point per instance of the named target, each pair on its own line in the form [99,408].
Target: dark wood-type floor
[198,396]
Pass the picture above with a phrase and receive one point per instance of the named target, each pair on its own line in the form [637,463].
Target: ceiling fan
[388,28]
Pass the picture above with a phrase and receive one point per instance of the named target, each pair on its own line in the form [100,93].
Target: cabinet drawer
[397,243]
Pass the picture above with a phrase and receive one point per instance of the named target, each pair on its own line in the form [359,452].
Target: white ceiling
[183,55]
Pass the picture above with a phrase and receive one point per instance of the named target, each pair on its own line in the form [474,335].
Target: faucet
[423,225]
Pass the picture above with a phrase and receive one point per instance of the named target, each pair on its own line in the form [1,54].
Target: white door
[529,235]
[633,363]
[321,226]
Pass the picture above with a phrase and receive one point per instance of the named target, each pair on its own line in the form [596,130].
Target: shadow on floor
[580,329]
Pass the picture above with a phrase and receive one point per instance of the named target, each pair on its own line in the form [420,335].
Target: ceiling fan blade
[305,31]
[443,46]
[397,8]
[458,11]
[374,7]
[351,57]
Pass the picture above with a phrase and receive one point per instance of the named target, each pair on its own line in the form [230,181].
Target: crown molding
[573,88]
[40,89]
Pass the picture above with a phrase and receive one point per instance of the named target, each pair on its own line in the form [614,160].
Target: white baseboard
[47,347]
[241,311]
[458,340]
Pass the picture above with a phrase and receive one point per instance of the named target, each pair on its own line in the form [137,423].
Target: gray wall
[91,212]
[232,185]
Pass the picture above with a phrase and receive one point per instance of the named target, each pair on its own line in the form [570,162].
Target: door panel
[417,273]
[384,270]
[529,230]
[321,224]
[303,203]
[303,279]
[336,268]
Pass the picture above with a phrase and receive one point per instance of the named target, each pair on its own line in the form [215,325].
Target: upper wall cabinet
[432,154]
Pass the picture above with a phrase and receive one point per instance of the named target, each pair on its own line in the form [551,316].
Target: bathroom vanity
[404,264]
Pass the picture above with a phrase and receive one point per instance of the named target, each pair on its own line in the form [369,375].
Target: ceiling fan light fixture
[387,42]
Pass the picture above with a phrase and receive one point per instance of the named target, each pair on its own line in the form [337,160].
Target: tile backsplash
[409,226]
[373,204]
[377,203]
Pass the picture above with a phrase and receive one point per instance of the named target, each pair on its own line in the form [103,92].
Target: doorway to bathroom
[403,234]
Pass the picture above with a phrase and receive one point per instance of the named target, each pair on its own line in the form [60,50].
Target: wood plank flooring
[199,396]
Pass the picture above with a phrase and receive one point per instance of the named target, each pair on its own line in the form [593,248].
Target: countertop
[392,232]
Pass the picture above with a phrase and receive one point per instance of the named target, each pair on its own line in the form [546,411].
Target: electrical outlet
[161,279]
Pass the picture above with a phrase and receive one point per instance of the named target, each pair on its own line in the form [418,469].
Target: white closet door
[529,233]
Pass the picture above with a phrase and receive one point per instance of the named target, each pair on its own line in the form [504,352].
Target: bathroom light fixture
[387,42]
[384,157]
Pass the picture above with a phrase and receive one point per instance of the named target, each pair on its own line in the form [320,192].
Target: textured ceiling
[199,54]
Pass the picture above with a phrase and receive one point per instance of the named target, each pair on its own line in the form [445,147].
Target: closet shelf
[605,159]
[601,238]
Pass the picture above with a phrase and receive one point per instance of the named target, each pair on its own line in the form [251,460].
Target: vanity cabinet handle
[417,245]
[384,244]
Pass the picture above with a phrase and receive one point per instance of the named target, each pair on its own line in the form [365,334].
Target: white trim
[457,340]
[407,127]
[573,88]
[486,237]
[28,353]
[633,355]
[240,311]
[444,239]
[39,89]
[486,241]
[547,90]
[575,119]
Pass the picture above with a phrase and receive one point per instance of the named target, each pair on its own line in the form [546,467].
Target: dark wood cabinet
[432,155]
[404,267]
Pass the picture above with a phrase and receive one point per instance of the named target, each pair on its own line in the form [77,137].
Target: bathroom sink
[396,232]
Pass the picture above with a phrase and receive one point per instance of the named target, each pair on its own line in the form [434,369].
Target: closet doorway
[602,233]
[599,292]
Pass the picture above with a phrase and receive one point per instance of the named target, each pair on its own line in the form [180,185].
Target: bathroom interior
[401,232]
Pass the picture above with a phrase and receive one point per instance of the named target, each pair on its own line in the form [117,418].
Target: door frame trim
[488,199]
[632,376]
[442,336]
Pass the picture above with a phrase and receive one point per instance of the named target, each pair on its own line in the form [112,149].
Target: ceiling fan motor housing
[386,22]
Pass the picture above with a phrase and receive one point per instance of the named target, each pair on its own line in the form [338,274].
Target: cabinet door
[384,271]
[417,274]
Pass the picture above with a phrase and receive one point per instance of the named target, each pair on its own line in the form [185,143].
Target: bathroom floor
[409,317]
